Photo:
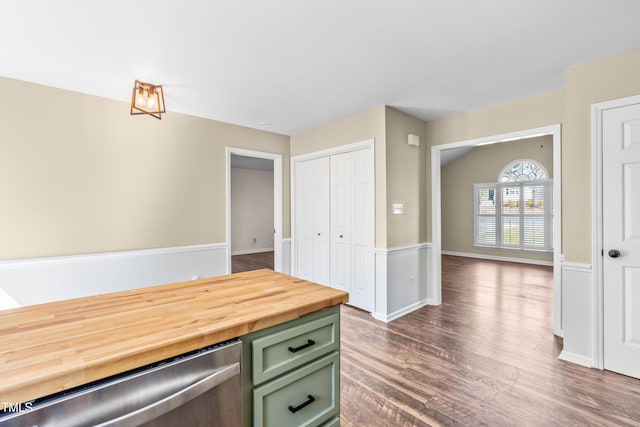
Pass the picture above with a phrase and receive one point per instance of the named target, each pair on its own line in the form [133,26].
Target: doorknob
[614,253]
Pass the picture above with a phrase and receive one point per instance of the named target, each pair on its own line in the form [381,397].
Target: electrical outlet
[412,281]
[254,240]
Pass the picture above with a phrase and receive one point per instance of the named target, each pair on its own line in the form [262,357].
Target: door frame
[436,218]
[277,202]
[597,229]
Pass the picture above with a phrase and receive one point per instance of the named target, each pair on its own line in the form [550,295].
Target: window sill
[531,251]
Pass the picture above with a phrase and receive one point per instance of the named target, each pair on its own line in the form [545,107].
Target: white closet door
[313,220]
[362,292]
[352,226]
[341,213]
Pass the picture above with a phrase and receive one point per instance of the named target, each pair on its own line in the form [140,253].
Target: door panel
[631,311]
[362,292]
[312,220]
[341,213]
[621,232]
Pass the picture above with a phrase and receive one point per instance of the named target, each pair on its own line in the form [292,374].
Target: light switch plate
[397,208]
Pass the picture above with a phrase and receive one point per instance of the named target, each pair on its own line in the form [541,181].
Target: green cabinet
[291,372]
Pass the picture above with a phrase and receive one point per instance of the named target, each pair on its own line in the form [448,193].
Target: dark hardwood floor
[486,356]
[250,262]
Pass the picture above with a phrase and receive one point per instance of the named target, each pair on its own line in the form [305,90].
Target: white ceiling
[296,64]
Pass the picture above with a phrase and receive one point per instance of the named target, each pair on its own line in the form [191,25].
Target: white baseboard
[399,313]
[252,251]
[40,280]
[576,358]
[499,258]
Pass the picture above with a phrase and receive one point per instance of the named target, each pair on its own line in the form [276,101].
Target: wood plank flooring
[250,262]
[486,356]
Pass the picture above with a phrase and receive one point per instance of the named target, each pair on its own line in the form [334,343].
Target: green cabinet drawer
[335,422]
[308,396]
[282,351]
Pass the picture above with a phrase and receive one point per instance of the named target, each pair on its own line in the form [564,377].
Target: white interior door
[362,291]
[341,204]
[621,239]
[352,226]
[312,220]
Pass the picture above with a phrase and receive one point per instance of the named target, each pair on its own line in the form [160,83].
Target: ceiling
[290,65]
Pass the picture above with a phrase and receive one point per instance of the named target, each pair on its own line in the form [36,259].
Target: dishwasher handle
[162,406]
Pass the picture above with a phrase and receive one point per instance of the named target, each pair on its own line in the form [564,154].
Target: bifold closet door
[313,220]
[352,229]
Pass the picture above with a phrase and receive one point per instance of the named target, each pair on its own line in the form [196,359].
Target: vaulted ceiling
[289,65]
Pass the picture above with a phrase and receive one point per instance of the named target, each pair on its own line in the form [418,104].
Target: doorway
[437,154]
[254,210]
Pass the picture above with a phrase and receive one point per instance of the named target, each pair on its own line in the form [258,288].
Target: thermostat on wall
[397,208]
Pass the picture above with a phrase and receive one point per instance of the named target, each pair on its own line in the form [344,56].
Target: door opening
[254,210]
[438,152]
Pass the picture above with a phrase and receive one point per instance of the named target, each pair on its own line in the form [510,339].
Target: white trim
[576,266]
[100,256]
[360,145]
[576,358]
[402,248]
[597,246]
[277,201]
[500,258]
[399,313]
[436,221]
[252,251]
[537,163]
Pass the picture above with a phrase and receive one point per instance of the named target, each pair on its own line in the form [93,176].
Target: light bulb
[151,101]
[140,98]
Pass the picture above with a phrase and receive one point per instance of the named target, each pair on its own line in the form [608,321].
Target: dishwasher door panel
[202,388]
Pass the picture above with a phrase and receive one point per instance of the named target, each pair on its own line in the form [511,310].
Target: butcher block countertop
[52,347]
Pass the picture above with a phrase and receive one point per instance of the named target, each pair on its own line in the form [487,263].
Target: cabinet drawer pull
[302,347]
[309,401]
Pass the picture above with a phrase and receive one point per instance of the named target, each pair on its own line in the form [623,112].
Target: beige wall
[400,170]
[482,165]
[358,127]
[604,79]
[407,179]
[528,113]
[78,174]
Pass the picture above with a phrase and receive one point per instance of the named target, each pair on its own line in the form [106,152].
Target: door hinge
[602,252]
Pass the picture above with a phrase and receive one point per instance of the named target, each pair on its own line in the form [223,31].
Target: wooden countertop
[51,347]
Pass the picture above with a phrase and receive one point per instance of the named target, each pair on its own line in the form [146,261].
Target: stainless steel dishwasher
[200,388]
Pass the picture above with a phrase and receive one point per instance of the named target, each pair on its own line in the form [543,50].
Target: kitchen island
[48,348]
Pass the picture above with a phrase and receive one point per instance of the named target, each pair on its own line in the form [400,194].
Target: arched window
[517,211]
[523,170]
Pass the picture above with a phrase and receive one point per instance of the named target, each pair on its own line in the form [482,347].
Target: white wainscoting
[578,315]
[286,255]
[499,258]
[401,280]
[39,280]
